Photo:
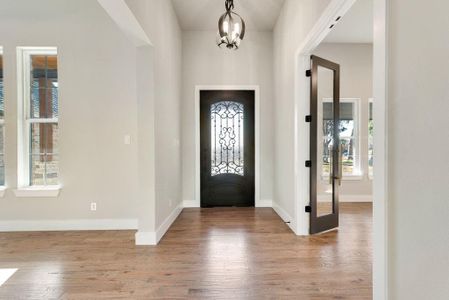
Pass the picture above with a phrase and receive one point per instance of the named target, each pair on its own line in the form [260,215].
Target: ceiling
[41,9]
[203,14]
[356,26]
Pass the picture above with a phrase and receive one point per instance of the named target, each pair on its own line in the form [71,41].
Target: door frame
[256,89]
[335,9]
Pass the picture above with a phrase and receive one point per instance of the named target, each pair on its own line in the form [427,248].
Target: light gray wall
[97,108]
[206,64]
[158,19]
[295,21]
[146,145]
[356,81]
[418,143]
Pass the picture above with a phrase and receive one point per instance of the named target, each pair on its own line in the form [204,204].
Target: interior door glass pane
[370,140]
[2,156]
[227,151]
[2,99]
[325,149]
[2,169]
[2,132]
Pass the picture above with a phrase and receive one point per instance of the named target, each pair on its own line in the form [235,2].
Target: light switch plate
[127,139]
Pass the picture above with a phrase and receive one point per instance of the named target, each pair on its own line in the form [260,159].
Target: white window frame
[24,121]
[357,174]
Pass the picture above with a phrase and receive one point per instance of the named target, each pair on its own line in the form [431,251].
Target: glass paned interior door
[325,158]
[370,140]
[325,94]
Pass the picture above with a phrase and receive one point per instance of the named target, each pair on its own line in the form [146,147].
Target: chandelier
[231,27]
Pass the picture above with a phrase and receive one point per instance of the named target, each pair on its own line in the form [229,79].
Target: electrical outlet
[93,206]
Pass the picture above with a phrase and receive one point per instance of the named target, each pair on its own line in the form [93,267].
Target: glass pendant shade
[231,28]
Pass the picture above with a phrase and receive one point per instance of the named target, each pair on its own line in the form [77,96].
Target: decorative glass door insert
[227,147]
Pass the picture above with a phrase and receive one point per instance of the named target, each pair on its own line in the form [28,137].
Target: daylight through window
[41,116]
[348,136]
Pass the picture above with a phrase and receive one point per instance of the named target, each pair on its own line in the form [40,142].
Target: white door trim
[380,178]
[256,89]
[335,9]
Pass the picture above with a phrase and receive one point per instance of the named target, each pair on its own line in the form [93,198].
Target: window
[227,138]
[38,163]
[348,136]
[370,139]
[2,124]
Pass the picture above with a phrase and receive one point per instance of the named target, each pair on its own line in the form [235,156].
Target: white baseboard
[145,238]
[196,204]
[160,232]
[68,225]
[149,238]
[264,203]
[284,216]
[191,204]
[282,213]
[348,198]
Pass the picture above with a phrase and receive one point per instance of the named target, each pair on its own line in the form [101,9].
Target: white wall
[356,81]
[99,104]
[296,19]
[97,108]
[418,143]
[206,64]
[158,20]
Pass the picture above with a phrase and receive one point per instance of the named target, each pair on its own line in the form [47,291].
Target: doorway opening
[363,146]
[339,79]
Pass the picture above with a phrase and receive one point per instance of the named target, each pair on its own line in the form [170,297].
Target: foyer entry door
[227,148]
[325,150]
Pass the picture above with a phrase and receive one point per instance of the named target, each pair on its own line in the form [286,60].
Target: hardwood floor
[221,253]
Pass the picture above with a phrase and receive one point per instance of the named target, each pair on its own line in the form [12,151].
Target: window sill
[38,192]
[2,191]
[345,177]
[352,177]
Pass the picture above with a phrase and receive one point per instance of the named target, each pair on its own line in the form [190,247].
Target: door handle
[332,176]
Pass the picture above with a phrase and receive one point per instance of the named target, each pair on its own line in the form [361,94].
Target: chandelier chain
[229,4]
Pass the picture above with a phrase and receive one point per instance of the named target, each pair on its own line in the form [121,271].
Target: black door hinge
[308,73]
[308,163]
[308,209]
[308,118]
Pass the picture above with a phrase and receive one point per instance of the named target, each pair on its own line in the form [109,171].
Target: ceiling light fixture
[231,27]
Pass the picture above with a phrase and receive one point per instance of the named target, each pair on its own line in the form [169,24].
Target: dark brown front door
[325,169]
[227,148]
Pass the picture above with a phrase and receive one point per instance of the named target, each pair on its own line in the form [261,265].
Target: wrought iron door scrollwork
[227,138]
